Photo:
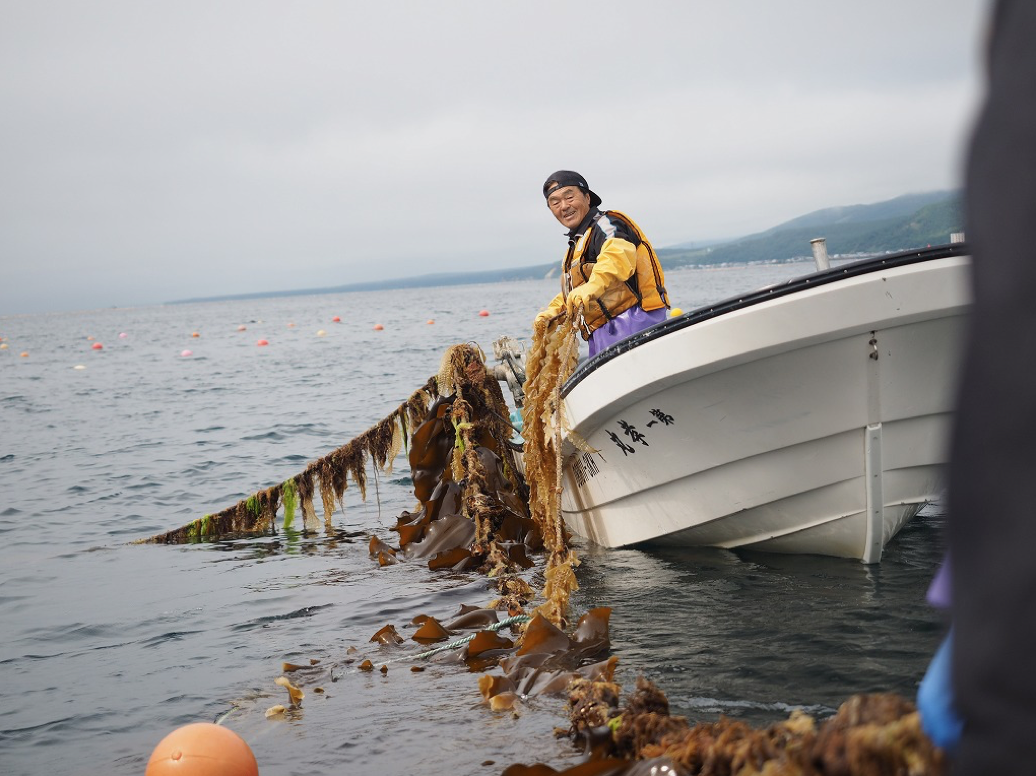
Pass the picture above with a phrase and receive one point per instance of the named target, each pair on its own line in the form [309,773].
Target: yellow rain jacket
[609,257]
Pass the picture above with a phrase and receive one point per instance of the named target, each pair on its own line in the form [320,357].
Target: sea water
[106,646]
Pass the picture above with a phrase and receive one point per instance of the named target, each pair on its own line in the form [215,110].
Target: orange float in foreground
[202,749]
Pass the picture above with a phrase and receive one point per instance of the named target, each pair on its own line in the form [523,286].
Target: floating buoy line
[476,511]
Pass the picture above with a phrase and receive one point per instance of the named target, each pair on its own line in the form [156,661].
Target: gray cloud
[152,151]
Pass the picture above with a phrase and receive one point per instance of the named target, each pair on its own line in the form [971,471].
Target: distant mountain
[906,205]
[910,221]
[913,221]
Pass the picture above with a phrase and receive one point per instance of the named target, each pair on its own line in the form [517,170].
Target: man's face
[569,205]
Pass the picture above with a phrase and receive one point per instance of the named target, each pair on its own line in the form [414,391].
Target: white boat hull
[813,422]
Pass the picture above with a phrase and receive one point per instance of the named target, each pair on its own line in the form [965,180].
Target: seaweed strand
[256,514]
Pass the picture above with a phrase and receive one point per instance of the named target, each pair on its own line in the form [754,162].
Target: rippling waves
[107,646]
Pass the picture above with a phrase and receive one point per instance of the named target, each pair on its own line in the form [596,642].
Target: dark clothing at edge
[992,501]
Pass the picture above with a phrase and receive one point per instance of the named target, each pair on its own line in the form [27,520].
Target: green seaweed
[291,500]
[197,529]
[253,506]
[458,428]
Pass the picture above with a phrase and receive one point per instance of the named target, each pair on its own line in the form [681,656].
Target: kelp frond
[291,501]
[551,362]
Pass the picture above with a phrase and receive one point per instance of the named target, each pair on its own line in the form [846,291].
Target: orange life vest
[646,286]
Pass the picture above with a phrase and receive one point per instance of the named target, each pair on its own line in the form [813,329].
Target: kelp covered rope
[462,377]
[551,362]
[471,511]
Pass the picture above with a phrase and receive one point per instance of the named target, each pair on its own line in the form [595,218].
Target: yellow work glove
[580,296]
[616,262]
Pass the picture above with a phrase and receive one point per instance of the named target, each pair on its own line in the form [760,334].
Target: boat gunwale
[778,290]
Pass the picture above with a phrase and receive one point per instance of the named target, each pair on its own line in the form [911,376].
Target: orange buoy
[484,313]
[195,334]
[378,327]
[202,749]
[25,354]
[430,321]
[97,346]
[336,319]
[262,342]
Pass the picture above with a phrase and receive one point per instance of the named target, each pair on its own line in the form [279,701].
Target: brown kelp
[471,510]
[552,360]
[870,735]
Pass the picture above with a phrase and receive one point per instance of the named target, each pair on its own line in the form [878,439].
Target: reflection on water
[753,634]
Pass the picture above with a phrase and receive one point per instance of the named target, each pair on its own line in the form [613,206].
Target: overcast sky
[152,151]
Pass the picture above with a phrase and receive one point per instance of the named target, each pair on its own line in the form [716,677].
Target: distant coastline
[420,281]
[906,222]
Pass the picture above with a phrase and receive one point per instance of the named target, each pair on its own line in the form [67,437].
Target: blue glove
[935,700]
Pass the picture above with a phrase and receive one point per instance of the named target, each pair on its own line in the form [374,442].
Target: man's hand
[579,296]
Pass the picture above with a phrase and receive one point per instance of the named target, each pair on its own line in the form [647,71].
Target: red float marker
[484,313]
[97,346]
[336,319]
[378,327]
[262,343]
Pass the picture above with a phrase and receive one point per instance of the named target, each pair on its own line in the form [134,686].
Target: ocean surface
[106,646]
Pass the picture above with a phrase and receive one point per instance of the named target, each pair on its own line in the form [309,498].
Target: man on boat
[610,275]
